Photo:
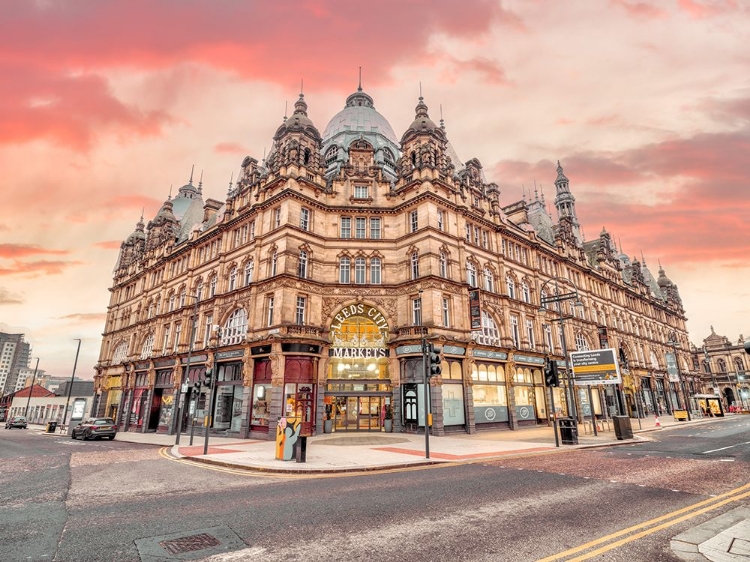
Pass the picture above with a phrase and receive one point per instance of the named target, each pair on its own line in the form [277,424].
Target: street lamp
[558,298]
[674,344]
[31,389]
[211,381]
[178,424]
[72,378]
[426,380]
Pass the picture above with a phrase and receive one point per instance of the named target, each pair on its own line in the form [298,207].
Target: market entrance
[358,390]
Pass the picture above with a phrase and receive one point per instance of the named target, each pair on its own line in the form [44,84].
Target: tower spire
[359,86]
[192,169]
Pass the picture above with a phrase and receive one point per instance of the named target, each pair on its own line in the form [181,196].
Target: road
[67,500]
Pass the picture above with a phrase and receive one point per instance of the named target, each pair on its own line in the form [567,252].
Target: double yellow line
[649,527]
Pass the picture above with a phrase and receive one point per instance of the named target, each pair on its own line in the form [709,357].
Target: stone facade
[723,365]
[330,262]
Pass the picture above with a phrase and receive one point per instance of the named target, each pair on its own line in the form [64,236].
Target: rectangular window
[346,227]
[277,217]
[252,230]
[414,220]
[177,334]
[375,271]
[165,341]
[304,219]
[360,227]
[300,314]
[269,311]
[446,312]
[344,270]
[530,333]
[514,331]
[416,312]
[468,233]
[484,239]
[360,192]
[440,224]
[375,228]
[476,236]
[415,265]
[207,330]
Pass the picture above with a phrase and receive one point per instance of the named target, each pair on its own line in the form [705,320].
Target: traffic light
[207,378]
[551,376]
[197,385]
[433,355]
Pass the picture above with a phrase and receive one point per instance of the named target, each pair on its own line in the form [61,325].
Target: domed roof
[299,119]
[422,122]
[663,281]
[359,116]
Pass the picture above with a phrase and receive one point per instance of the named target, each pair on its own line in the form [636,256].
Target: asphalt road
[67,500]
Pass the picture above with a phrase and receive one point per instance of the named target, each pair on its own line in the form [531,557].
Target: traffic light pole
[554,415]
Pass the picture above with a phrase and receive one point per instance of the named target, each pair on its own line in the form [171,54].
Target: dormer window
[361,192]
[331,155]
[390,161]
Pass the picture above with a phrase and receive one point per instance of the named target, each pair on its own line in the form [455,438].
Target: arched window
[331,155]
[171,302]
[249,270]
[390,161]
[581,343]
[212,287]
[525,292]
[489,280]
[654,361]
[471,274]
[273,265]
[302,268]
[489,328]
[199,290]
[121,353]
[183,297]
[722,365]
[511,284]
[306,156]
[148,346]
[443,265]
[739,366]
[415,265]
[235,328]
[413,158]
[233,279]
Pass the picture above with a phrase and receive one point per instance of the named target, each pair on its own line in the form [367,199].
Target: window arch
[471,274]
[489,280]
[235,327]
[249,270]
[489,328]
[121,352]
[233,279]
[581,343]
[331,155]
[148,346]
[739,366]
[722,365]
[302,267]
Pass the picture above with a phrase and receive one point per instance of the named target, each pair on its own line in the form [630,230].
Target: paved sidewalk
[346,452]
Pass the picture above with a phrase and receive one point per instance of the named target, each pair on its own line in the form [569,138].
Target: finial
[619,242]
[712,329]
[643,259]
[359,86]
[301,86]
[536,193]
[442,123]
[229,191]
[192,169]
[658,260]
[200,183]
[286,109]
[143,210]
[542,188]
[169,197]
[420,89]
[264,154]
[523,191]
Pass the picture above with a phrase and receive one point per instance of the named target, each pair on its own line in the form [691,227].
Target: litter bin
[568,431]
[51,426]
[300,449]
[623,429]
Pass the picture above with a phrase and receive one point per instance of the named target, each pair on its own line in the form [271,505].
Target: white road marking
[724,448]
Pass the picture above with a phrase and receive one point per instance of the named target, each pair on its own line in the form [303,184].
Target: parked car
[16,421]
[95,428]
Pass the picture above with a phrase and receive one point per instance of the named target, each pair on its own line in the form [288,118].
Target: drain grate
[189,544]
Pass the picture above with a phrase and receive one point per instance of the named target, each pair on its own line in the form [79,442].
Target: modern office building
[14,356]
[330,262]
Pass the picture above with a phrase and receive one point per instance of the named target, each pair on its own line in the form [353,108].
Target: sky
[105,104]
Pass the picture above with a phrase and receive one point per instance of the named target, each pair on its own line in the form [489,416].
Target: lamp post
[72,378]
[185,374]
[672,342]
[31,389]
[208,420]
[558,298]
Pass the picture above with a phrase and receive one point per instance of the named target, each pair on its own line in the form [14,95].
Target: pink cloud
[641,10]
[230,148]
[24,250]
[35,268]
[6,297]
[707,8]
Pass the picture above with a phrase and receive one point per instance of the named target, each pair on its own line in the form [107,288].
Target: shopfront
[452,388]
[529,389]
[160,417]
[489,389]
[114,396]
[139,402]
[358,387]
[229,395]
[261,394]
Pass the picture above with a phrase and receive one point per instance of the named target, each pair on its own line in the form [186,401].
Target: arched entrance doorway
[358,386]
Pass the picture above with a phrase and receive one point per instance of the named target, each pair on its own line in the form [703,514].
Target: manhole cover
[189,545]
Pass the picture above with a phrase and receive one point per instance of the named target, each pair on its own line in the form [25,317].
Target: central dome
[359,116]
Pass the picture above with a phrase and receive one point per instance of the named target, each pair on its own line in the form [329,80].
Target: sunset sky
[106,103]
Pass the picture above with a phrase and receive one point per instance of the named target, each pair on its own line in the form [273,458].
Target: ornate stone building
[724,369]
[328,263]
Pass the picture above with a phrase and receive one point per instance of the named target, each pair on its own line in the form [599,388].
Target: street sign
[595,367]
